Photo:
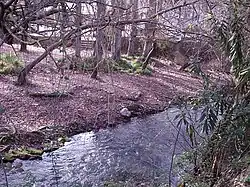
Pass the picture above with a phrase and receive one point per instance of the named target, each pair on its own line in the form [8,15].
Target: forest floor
[90,104]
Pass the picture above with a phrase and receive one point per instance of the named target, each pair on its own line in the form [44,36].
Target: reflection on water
[140,151]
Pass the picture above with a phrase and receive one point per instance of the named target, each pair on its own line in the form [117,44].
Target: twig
[172,157]
[4,171]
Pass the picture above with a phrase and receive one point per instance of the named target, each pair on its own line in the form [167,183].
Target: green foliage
[247,180]
[234,42]
[226,120]
[127,64]
[122,65]
[228,124]
[86,64]
[133,65]
[9,64]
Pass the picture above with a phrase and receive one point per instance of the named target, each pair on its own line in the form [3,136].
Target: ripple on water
[139,150]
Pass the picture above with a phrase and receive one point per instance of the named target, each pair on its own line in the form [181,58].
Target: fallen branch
[53,94]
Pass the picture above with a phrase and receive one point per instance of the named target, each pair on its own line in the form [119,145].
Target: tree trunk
[134,31]
[78,20]
[116,51]
[117,42]
[25,30]
[101,9]
[22,75]
[149,29]
[24,38]
[63,24]
[149,55]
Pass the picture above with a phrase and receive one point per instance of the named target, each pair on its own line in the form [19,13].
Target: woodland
[74,66]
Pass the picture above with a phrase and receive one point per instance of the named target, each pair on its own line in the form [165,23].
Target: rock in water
[125,112]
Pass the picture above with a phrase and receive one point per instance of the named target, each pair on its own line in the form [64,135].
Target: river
[138,152]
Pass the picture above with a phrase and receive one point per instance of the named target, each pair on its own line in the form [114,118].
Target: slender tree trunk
[117,43]
[116,51]
[24,33]
[101,9]
[24,39]
[63,23]
[149,55]
[78,20]
[149,28]
[22,75]
[134,30]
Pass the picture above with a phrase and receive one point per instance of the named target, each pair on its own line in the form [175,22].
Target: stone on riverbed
[125,112]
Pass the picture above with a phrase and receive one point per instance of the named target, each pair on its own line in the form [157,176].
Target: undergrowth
[127,64]
[9,64]
[225,115]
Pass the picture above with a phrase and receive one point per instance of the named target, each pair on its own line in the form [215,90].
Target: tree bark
[134,30]
[25,30]
[22,75]
[116,51]
[149,55]
[24,38]
[101,9]
[117,42]
[149,28]
[78,20]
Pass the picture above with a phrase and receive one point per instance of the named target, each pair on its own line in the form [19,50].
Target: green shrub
[122,65]
[9,64]
[126,64]
[132,65]
[247,180]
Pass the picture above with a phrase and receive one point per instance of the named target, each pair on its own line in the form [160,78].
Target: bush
[127,64]
[132,65]
[9,64]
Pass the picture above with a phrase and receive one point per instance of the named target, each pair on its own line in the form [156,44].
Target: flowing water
[139,151]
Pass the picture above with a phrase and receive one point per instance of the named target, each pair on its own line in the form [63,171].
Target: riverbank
[51,107]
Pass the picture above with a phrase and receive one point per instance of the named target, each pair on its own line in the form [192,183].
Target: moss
[54,145]
[35,151]
[63,139]
[23,154]
[131,65]
[8,157]
[146,71]
[136,64]
[126,64]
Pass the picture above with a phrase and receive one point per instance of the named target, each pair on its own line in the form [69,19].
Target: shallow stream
[139,151]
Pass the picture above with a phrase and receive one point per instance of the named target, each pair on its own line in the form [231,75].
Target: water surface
[138,151]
